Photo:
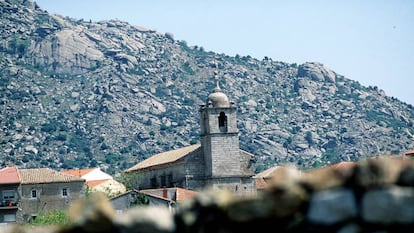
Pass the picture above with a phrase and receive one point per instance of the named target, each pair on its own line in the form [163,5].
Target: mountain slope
[79,94]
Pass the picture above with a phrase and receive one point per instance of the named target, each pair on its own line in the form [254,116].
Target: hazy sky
[371,41]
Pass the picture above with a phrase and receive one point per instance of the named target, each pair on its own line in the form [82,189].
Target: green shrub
[49,127]
[140,199]
[56,217]
[187,68]
[4,81]
[61,137]
[19,46]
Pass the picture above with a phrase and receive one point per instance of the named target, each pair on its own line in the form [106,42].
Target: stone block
[332,206]
[389,205]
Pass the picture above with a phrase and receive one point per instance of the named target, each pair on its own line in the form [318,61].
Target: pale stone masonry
[332,206]
[217,163]
[389,205]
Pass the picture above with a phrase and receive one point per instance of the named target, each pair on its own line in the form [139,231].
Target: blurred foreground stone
[374,195]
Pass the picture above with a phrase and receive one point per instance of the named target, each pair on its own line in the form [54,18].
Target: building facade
[24,193]
[216,163]
[43,190]
[9,195]
[98,181]
[165,197]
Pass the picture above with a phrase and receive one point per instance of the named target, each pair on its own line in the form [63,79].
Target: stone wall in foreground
[375,195]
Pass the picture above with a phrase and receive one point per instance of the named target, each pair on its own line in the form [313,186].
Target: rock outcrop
[76,93]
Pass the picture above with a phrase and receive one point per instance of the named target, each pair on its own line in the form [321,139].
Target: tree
[130,180]
[140,199]
[19,46]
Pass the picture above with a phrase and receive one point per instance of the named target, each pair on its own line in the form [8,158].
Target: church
[216,163]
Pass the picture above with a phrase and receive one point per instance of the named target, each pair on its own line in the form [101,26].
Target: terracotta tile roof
[183,194]
[9,175]
[173,194]
[45,175]
[154,195]
[409,153]
[165,157]
[94,183]
[78,172]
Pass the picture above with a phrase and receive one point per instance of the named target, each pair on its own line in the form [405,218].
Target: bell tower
[219,136]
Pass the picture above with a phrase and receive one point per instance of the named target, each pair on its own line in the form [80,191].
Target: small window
[8,195]
[34,193]
[64,192]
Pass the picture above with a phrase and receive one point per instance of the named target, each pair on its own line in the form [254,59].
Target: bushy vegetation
[56,217]
[140,199]
[19,46]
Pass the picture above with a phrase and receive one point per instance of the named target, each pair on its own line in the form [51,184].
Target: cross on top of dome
[216,82]
[217,98]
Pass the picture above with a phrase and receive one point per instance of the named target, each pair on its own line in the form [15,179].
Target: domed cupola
[217,98]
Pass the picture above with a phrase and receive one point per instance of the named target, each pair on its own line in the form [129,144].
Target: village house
[98,181]
[216,163]
[27,192]
[165,197]
[44,190]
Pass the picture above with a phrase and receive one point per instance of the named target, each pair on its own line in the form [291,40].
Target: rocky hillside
[75,93]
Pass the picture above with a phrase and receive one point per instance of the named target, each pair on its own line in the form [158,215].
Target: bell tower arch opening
[222,119]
